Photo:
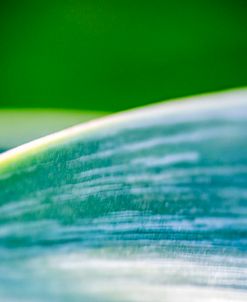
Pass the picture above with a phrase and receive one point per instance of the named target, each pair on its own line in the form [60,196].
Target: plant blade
[150,202]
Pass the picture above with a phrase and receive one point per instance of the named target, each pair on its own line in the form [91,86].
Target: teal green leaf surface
[146,205]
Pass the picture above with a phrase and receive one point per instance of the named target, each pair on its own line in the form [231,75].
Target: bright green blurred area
[23,125]
[112,55]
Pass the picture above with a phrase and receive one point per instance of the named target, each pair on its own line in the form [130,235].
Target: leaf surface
[137,206]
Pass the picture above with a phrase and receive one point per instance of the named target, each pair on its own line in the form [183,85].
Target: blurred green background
[112,55]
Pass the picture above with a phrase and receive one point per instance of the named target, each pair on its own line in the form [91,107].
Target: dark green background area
[112,55]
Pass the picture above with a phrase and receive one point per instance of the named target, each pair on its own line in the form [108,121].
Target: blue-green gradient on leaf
[138,206]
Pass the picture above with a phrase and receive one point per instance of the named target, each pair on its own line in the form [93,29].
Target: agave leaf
[137,206]
[19,126]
